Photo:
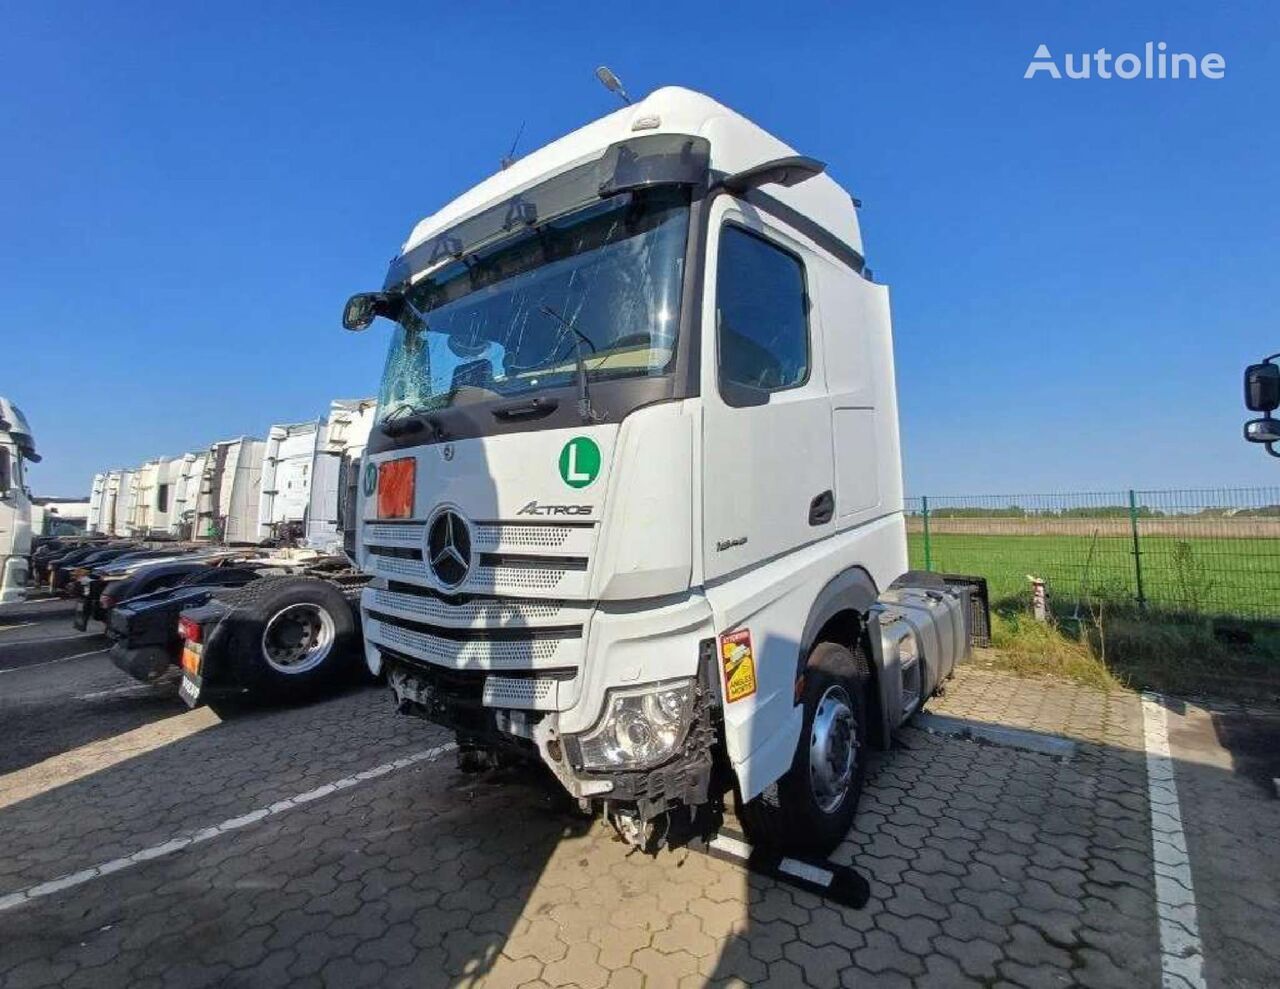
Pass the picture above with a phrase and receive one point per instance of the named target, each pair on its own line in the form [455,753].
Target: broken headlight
[640,728]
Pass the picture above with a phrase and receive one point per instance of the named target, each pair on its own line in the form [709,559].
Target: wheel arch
[842,612]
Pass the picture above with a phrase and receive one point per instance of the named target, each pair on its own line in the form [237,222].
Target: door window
[762,318]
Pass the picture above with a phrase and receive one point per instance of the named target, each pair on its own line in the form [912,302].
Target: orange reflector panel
[190,661]
[395,488]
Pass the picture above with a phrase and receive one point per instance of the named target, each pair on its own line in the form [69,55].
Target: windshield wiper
[407,418]
[585,410]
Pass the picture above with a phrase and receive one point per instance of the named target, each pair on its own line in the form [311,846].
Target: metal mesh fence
[1185,552]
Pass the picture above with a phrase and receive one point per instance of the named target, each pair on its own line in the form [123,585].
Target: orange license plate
[395,488]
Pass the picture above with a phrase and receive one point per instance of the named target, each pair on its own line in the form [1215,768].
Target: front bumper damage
[453,699]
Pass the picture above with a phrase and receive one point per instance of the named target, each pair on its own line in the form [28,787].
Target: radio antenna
[509,158]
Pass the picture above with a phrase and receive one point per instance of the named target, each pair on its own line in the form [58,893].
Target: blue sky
[1079,269]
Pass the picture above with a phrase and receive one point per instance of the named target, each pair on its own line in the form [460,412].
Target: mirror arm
[786,171]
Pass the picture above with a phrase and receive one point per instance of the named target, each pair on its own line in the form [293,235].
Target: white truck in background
[153,505]
[285,485]
[17,449]
[294,633]
[633,506]
[241,491]
[126,497]
[58,516]
[97,489]
[186,495]
[339,445]
[228,505]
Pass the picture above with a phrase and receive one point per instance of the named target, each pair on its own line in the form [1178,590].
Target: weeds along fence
[1206,553]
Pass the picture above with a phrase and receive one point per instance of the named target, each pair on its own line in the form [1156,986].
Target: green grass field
[1194,576]
[1210,626]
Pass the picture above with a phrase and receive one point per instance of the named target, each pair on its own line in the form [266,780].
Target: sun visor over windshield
[638,163]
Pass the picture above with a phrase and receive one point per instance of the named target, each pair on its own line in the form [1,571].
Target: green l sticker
[370,478]
[579,462]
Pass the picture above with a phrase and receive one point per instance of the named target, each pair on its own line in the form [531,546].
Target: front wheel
[811,809]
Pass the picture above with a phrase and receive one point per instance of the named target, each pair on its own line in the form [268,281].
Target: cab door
[767,480]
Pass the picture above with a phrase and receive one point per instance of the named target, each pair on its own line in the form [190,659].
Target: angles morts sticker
[738,662]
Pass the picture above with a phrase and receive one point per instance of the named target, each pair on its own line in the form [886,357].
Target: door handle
[822,508]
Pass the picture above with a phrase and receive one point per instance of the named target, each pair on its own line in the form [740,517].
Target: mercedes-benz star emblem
[449,548]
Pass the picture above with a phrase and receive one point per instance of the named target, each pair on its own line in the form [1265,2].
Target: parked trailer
[634,509]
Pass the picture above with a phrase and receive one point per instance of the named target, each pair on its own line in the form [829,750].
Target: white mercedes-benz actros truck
[633,503]
[17,448]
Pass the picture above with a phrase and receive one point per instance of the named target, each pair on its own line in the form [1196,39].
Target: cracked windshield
[601,285]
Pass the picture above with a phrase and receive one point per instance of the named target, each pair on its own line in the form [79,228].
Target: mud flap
[192,685]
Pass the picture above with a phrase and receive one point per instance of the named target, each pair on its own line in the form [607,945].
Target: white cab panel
[763,465]
[647,539]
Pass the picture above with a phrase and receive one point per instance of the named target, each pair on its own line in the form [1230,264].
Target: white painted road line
[50,662]
[56,638]
[24,896]
[11,628]
[1181,954]
[136,688]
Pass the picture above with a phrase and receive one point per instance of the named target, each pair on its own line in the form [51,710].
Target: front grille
[527,693]
[385,534]
[515,624]
[496,579]
[492,574]
[397,552]
[409,601]
[460,697]
[491,535]
[475,654]
[394,566]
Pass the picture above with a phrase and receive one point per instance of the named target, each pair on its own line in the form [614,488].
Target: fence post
[1137,549]
[928,549]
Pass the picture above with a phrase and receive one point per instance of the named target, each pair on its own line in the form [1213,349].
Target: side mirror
[6,479]
[1262,430]
[1262,388]
[362,307]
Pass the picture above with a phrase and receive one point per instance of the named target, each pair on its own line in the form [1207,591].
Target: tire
[810,811]
[290,636]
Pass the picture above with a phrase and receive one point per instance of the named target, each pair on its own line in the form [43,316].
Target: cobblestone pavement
[988,865]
